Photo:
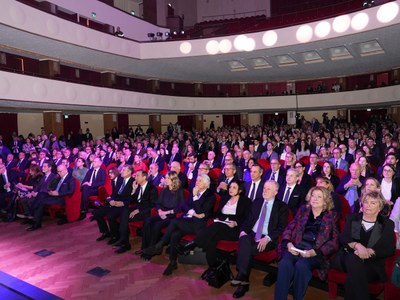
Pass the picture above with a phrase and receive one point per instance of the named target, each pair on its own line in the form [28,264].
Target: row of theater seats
[265,261]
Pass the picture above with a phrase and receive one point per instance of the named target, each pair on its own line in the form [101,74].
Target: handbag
[396,273]
[221,274]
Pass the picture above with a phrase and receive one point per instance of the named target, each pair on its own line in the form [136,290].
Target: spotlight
[167,34]
[368,3]
[174,32]
[159,34]
[132,12]
[182,31]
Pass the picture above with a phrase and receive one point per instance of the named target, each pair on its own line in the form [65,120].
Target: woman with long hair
[168,205]
[329,171]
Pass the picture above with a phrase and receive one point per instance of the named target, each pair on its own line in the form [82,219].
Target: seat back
[73,203]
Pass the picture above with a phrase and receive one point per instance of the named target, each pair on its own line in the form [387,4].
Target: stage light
[368,3]
[159,34]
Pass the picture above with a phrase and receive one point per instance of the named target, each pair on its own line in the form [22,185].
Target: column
[110,121]
[155,123]
[53,122]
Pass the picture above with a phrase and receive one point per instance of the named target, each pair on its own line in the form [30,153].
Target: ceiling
[216,68]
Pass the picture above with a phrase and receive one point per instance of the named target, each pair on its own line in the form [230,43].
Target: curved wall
[16,87]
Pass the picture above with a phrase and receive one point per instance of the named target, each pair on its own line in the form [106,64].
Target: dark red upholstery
[72,205]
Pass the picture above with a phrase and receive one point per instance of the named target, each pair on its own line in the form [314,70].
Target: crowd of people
[273,187]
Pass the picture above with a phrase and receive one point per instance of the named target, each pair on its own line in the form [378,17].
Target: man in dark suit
[254,188]
[16,145]
[191,167]
[225,178]
[345,155]
[198,209]
[95,178]
[64,186]
[313,168]
[291,193]
[156,159]
[276,173]
[42,187]
[10,162]
[175,155]
[200,147]
[128,156]
[260,231]
[117,204]
[212,161]
[350,185]
[154,177]
[143,199]
[22,163]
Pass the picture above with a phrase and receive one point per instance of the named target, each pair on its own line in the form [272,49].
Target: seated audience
[329,171]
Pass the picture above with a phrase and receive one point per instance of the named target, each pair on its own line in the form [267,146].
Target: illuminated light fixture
[132,12]
[387,12]
[311,57]
[341,23]
[260,63]
[250,45]
[167,34]
[368,109]
[236,66]
[322,29]
[239,42]
[368,3]
[370,48]
[304,34]
[285,60]
[185,47]
[276,114]
[94,15]
[270,38]
[339,53]
[212,47]
[159,34]
[225,46]
[182,31]
[175,32]
[359,21]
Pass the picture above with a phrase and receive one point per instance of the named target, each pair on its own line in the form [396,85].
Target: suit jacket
[306,182]
[176,157]
[242,210]
[213,185]
[381,240]
[344,165]
[10,165]
[67,187]
[126,194]
[268,157]
[281,176]
[342,191]
[259,192]
[195,170]
[22,165]
[316,172]
[146,202]
[130,160]
[277,222]
[44,184]
[160,162]
[98,181]
[184,180]
[296,199]
[327,241]
[155,181]
[204,205]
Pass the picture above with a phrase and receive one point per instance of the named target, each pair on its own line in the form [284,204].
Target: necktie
[172,159]
[227,180]
[93,176]
[352,196]
[18,164]
[122,187]
[253,191]
[273,176]
[337,164]
[261,221]
[140,194]
[286,199]
[59,184]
